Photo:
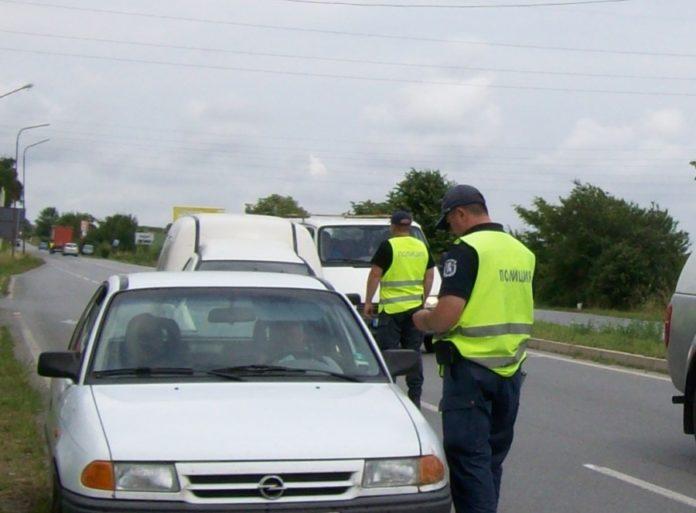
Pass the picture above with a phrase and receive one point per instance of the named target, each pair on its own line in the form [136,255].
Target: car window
[212,328]
[354,244]
[243,265]
[84,325]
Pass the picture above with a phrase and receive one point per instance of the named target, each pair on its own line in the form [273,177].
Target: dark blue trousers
[479,408]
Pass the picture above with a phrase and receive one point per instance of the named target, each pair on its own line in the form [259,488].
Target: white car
[234,391]
[70,248]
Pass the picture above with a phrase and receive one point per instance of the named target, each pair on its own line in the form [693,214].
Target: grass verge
[10,265]
[638,337]
[653,313]
[24,484]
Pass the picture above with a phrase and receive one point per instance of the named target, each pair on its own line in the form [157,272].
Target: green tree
[121,227]
[601,250]
[370,208]
[8,182]
[421,192]
[47,218]
[277,205]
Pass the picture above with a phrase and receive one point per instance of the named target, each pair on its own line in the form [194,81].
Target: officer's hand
[369,310]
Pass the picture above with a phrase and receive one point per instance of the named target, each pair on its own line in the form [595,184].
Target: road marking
[69,321]
[10,288]
[645,485]
[598,365]
[74,274]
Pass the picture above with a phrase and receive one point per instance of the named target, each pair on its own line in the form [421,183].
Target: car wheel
[428,344]
[56,493]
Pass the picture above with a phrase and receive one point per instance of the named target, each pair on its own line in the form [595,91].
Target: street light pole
[14,239]
[25,86]
[24,188]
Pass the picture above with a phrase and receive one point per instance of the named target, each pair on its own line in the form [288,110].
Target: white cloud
[316,166]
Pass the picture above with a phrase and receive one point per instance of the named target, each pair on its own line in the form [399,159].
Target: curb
[607,355]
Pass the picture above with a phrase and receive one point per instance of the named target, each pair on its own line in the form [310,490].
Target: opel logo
[271,487]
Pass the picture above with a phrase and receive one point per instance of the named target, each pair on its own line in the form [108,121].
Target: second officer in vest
[404,270]
[484,319]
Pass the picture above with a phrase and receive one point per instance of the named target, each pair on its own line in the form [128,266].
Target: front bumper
[430,502]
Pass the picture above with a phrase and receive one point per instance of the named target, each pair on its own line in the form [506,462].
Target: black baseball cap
[401,218]
[458,196]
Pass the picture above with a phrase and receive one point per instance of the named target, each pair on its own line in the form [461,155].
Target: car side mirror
[400,361]
[61,364]
[354,299]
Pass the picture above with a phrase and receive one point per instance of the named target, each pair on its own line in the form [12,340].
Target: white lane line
[684,499]
[69,321]
[598,366]
[10,288]
[74,274]
[429,406]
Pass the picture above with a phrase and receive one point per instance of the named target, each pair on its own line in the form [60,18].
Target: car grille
[263,482]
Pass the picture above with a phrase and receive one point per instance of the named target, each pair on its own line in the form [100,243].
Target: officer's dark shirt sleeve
[458,268]
[431,262]
[383,256]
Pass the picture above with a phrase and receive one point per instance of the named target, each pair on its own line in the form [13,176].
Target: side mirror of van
[400,361]
[61,364]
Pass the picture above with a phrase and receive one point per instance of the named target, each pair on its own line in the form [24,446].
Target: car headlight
[419,471]
[431,302]
[130,477]
[146,477]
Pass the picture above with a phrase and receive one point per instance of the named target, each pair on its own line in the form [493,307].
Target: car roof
[208,279]
[248,250]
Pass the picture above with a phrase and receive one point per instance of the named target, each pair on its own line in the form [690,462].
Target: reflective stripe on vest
[497,320]
[401,287]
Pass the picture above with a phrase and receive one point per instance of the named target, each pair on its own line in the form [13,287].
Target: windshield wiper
[144,371]
[278,370]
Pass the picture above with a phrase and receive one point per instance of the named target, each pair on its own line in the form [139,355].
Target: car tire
[428,344]
[56,492]
[693,410]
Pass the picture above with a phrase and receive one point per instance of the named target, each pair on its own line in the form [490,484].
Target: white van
[346,245]
[239,242]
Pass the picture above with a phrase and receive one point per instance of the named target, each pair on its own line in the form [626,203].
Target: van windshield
[354,244]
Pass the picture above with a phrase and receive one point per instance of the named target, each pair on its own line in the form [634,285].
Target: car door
[60,387]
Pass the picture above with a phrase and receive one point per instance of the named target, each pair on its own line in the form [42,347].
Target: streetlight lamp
[14,240]
[24,188]
[25,86]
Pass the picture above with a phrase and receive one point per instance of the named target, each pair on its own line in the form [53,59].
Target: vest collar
[494,227]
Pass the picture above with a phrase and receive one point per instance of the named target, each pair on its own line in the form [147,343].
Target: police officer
[403,268]
[483,318]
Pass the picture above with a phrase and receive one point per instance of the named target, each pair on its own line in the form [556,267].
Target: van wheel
[428,344]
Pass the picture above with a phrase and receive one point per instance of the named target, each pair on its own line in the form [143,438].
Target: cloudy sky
[156,103]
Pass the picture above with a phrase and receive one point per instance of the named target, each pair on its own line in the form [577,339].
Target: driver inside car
[294,346]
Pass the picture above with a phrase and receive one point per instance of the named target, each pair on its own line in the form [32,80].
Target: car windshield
[244,265]
[254,333]
[354,244]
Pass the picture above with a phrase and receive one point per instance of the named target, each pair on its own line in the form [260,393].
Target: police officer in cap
[404,270]
[483,319]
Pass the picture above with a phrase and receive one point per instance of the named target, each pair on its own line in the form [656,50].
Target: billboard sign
[10,221]
[182,211]
[144,238]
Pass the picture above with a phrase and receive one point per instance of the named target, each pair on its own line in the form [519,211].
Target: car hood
[255,421]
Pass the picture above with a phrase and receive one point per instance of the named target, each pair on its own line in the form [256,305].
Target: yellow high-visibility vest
[497,320]
[401,287]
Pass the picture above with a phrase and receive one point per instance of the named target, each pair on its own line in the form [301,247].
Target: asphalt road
[589,438]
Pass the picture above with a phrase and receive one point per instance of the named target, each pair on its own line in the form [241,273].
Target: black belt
[446,353]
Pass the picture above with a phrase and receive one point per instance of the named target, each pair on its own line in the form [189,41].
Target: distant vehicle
[70,248]
[43,245]
[346,245]
[238,242]
[234,391]
[87,249]
[680,339]
[60,235]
